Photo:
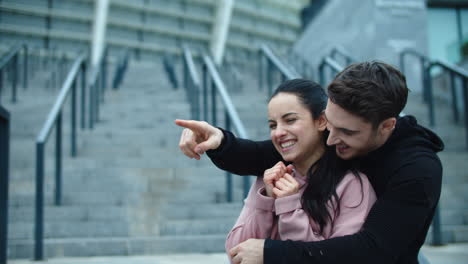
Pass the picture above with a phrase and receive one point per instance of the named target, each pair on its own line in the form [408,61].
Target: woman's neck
[303,166]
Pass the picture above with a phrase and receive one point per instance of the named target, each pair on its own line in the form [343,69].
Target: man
[397,155]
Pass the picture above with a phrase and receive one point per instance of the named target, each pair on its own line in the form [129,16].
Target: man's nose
[332,139]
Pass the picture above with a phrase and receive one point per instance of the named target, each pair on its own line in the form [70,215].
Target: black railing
[10,63]
[423,60]
[348,59]
[213,82]
[97,87]
[455,72]
[69,88]
[192,84]
[4,181]
[120,70]
[334,66]
[273,64]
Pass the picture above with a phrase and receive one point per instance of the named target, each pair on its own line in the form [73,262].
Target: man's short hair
[371,90]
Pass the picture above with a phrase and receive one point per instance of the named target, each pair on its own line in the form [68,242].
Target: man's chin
[347,155]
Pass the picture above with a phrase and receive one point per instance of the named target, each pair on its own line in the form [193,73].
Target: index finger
[234,251]
[193,125]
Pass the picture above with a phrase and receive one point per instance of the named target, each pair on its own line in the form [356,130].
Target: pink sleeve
[256,218]
[294,223]
[355,202]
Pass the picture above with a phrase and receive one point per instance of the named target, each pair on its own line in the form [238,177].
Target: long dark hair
[325,174]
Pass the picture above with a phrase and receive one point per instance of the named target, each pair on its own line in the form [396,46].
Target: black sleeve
[396,223]
[244,157]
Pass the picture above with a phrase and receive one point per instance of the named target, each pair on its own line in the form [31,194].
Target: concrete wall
[368,29]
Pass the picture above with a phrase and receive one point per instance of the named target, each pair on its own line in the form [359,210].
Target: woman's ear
[321,122]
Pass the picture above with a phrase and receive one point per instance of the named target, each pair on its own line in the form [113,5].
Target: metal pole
[205,92]
[429,95]
[4,183]
[91,106]
[422,61]
[25,68]
[228,174]
[15,78]
[83,95]
[73,118]
[58,161]
[436,232]
[269,80]
[402,62]
[260,70]
[213,102]
[465,97]
[97,94]
[454,97]
[39,213]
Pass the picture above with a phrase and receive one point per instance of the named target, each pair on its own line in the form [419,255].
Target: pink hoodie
[283,218]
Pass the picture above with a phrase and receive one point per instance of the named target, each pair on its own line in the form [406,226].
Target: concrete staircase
[453,206]
[130,190]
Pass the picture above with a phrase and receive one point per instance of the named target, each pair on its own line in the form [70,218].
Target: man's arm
[396,222]
[243,156]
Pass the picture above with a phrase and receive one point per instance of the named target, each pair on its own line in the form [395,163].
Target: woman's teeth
[287,144]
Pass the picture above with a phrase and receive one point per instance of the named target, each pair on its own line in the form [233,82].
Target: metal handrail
[12,58]
[287,73]
[341,51]
[231,116]
[120,70]
[55,119]
[332,64]
[454,71]
[4,181]
[423,60]
[191,84]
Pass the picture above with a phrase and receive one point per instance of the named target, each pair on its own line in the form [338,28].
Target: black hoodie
[406,175]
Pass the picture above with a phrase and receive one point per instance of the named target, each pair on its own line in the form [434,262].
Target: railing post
[260,70]
[205,92]
[454,97]
[228,174]
[97,95]
[429,95]
[73,118]
[1,83]
[213,102]
[465,102]
[39,210]
[269,80]
[321,74]
[436,232]
[15,78]
[83,95]
[4,182]
[25,68]
[58,161]
[91,105]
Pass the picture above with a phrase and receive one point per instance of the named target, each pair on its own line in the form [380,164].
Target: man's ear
[321,122]
[387,126]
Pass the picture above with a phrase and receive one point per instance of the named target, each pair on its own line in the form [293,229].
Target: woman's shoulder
[354,184]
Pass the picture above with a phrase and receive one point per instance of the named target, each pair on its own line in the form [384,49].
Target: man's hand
[248,252]
[198,137]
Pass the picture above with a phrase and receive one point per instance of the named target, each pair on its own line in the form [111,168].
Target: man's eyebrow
[341,128]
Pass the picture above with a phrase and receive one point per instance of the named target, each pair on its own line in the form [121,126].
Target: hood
[409,132]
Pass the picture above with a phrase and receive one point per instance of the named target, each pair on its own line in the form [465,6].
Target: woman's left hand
[286,186]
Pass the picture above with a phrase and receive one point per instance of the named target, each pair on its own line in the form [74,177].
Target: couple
[364,131]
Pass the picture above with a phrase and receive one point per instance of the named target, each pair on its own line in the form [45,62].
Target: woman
[318,196]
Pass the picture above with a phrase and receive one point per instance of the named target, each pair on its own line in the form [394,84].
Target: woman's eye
[289,121]
[272,126]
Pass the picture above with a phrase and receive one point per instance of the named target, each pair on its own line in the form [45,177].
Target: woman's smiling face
[293,130]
